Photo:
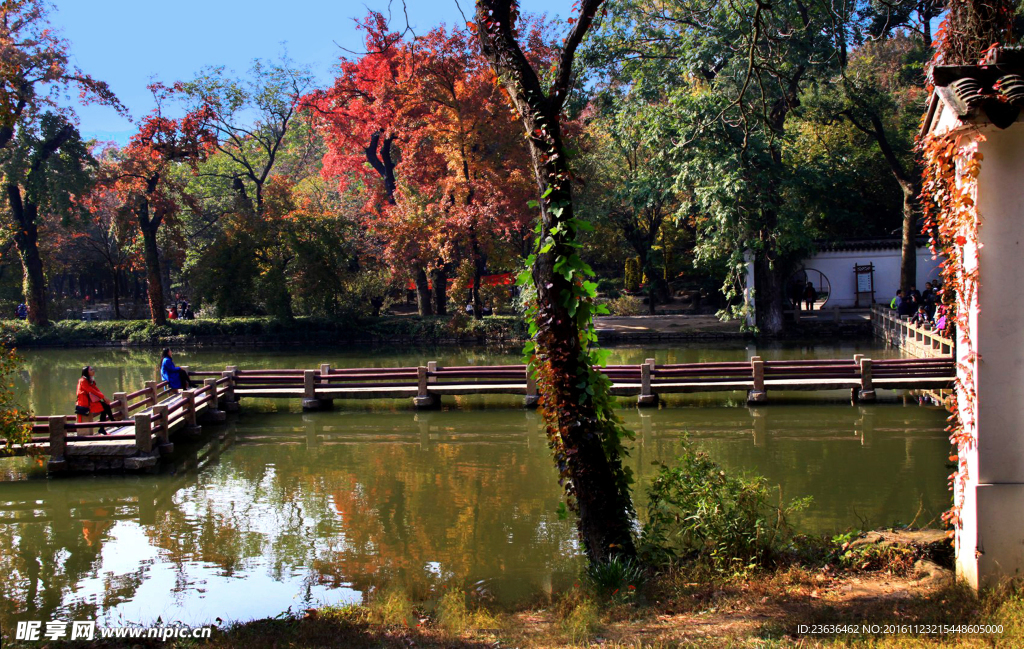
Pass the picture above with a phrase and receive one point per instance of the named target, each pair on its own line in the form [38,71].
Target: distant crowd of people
[90,401]
[181,309]
[922,307]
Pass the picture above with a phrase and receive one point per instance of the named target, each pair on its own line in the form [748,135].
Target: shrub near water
[626,305]
[696,512]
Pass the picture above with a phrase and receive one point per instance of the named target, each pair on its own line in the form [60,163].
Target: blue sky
[129,42]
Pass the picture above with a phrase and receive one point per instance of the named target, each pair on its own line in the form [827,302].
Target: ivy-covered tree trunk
[26,238]
[585,448]
[569,411]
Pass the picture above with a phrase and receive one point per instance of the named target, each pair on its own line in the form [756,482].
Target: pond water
[281,509]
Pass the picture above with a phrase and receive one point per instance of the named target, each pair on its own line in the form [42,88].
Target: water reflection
[284,509]
[277,509]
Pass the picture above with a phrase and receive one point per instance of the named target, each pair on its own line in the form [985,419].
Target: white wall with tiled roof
[838,265]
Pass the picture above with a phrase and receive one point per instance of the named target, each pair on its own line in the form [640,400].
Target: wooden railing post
[144,433]
[531,399]
[230,401]
[757,394]
[191,426]
[58,444]
[120,406]
[867,390]
[213,412]
[647,396]
[325,403]
[855,392]
[423,398]
[161,418]
[309,400]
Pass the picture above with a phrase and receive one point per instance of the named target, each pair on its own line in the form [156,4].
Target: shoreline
[392,330]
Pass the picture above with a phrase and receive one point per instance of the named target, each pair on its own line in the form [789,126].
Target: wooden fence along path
[148,417]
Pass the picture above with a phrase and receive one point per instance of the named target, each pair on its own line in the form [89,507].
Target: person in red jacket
[90,400]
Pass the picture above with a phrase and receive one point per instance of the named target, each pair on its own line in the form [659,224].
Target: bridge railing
[922,341]
[146,416]
[150,414]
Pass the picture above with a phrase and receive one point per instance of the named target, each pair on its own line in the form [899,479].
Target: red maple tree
[142,174]
[423,126]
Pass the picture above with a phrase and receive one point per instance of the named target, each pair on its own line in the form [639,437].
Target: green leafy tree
[880,93]
[734,74]
[251,119]
[631,182]
[44,168]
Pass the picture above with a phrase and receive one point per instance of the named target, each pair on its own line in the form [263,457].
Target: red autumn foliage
[424,127]
[142,177]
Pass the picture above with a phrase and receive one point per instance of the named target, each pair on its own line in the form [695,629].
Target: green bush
[74,332]
[698,513]
[616,578]
[626,305]
[609,288]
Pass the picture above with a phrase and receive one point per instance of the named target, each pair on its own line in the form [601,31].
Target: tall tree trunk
[604,520]
[478,277]
[117,294]
[768,296]
[874,128]
[422,292]
[26,237]
[591,475]
[34,280]
[908,256]
[154,278]
[439,278]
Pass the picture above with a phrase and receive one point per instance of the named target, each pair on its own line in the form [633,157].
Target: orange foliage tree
[422,124]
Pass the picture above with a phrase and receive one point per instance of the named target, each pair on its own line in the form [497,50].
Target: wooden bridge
[147,418]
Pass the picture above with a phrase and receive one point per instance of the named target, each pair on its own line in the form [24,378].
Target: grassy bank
[226,331]
[677,608]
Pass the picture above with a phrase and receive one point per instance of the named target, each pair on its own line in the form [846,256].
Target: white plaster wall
[990,544]
[838,267]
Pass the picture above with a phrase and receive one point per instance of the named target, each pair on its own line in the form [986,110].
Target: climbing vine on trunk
[585,435]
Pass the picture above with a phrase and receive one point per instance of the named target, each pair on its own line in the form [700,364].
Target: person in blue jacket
[176,377]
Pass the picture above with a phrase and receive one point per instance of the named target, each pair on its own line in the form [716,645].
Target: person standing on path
[810,296]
